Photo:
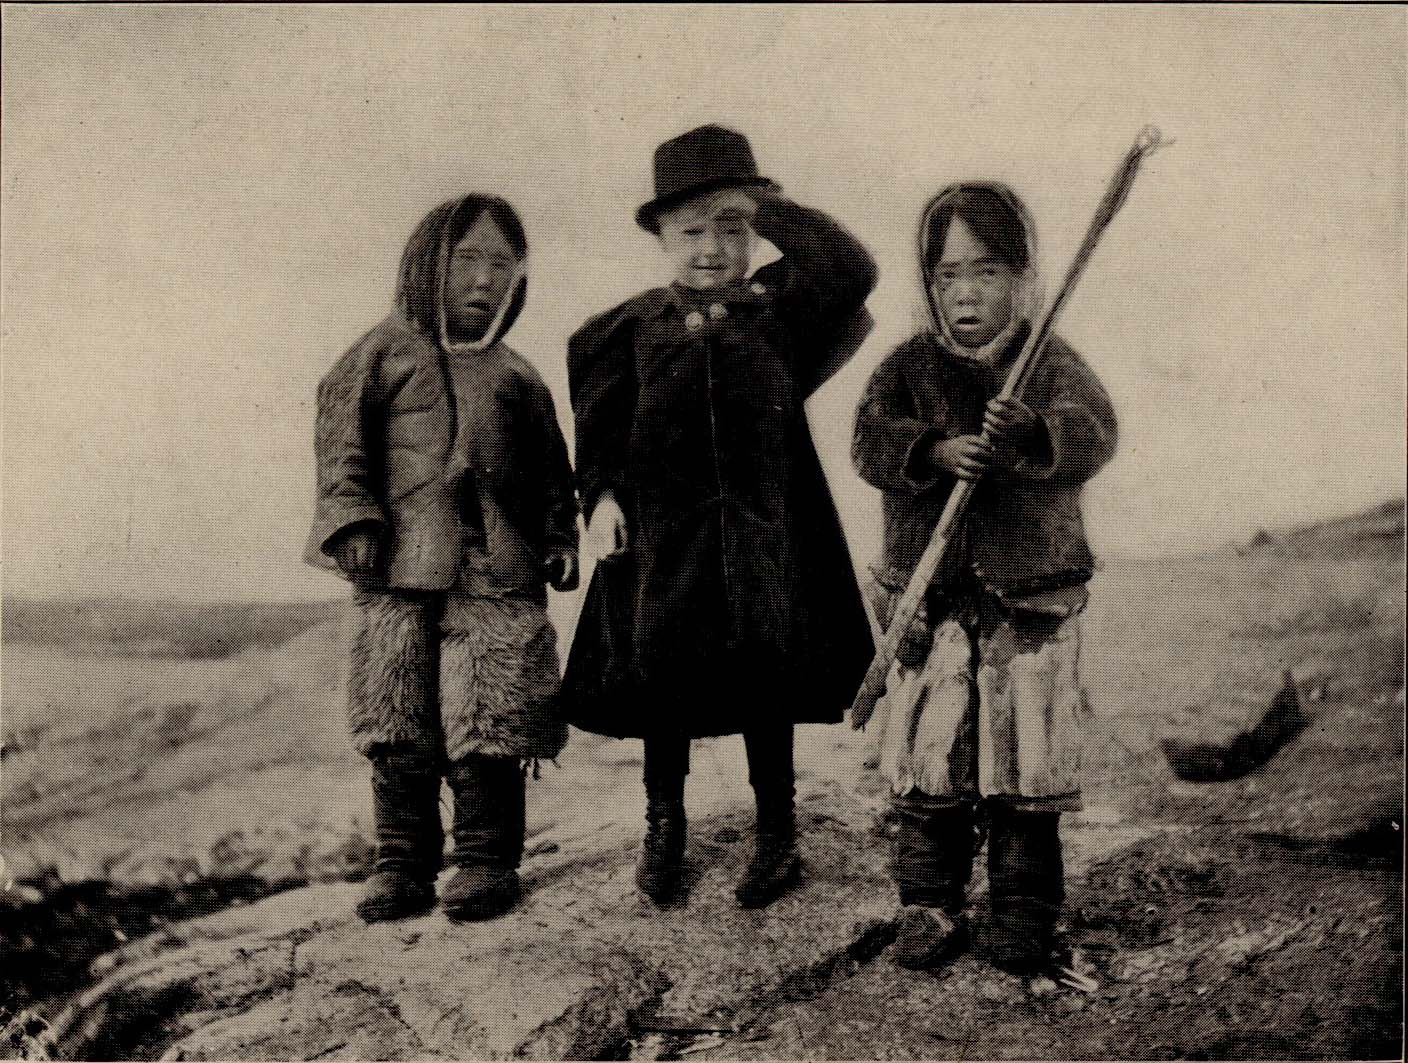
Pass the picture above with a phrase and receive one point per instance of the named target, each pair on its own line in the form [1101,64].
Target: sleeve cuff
[775,213]
[917,469]
[350,519]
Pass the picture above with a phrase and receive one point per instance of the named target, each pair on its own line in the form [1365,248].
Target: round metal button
[757,288]
[717,311]
[693,320]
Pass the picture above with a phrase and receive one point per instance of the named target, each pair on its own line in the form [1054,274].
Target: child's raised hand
[966,457]
[1009,422]
[606,534]
[733,201]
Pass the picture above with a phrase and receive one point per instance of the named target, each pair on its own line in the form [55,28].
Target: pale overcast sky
[202,207]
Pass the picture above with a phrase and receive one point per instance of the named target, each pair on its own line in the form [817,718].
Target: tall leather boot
[776,867]
[932,863]
[1026,879]
[660,870]
[490,795]
[409,837]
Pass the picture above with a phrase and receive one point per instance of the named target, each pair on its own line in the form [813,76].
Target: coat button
[694,320]
[757,288]
[717,311]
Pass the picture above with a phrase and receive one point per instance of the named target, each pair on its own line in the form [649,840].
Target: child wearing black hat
[985,705]
[445,497]
[725,601]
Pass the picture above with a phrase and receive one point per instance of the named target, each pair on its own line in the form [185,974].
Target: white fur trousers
[1030,711]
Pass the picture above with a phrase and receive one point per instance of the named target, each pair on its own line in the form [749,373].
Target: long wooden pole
[873,686]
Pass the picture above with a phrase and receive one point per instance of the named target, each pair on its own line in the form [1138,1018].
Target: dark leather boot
[409,838]
[775,867]
[488,831]
[932,863]
[660,870]
[929,938]
[1027,883]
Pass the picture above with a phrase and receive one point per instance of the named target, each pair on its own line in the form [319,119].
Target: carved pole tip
[1149,139]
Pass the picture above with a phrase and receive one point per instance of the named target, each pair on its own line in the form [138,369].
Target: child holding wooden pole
[985,703]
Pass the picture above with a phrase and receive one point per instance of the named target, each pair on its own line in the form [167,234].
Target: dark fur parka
[1024,534]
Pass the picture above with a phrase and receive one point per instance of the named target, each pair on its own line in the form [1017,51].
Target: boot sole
[940,957]
[671,895]
[478,912]
[673,890]
[382,913]
[675,898]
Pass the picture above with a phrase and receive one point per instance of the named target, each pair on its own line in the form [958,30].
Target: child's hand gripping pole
[1148,141]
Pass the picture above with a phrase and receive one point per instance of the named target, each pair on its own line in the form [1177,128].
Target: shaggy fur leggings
[450,675]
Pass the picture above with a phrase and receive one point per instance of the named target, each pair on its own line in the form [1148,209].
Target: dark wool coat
[1024,535]
[397,446]
[737,603]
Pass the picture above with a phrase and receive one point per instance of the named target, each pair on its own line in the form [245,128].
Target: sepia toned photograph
[687,531]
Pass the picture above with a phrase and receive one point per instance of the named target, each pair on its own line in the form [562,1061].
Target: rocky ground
[1255,919]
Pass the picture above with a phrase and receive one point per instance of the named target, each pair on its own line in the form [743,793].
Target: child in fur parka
[445,496]
[984,709]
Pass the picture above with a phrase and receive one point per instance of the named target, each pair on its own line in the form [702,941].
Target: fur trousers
[453,674]
[994,715]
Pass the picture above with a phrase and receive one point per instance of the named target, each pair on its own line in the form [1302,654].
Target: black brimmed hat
[704,160]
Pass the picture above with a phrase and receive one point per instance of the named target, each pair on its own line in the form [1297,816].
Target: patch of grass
[50,943]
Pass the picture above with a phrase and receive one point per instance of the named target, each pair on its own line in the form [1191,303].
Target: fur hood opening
[1028,295]
[420,282]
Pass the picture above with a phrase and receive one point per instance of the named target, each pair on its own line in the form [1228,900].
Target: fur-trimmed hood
[420,282]
[1028,296]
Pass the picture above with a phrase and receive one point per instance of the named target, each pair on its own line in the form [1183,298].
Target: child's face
[973,287]
[710,240]
[481,268]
